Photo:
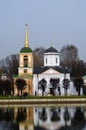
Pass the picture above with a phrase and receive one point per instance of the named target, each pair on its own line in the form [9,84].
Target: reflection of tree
[55,115]
[8,114]
[66,128]
[43,114]
[66,117]
[79,120]
[39,128]
[21,114]
[1,114]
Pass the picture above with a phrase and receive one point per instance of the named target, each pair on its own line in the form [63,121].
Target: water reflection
[43,118]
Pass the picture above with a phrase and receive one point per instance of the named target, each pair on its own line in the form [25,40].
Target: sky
[50,22]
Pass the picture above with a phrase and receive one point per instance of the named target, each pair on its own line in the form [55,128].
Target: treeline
[6,87]
[68,54]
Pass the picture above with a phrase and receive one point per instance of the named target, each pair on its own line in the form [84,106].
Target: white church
[50,71]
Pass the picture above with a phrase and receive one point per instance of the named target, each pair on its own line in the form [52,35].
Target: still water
[43,118]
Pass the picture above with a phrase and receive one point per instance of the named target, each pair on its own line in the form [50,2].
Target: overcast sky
[56,22]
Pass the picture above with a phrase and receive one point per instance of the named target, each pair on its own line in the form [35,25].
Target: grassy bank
[42,97]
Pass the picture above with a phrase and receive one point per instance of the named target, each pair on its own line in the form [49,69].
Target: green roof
[26,50]
[23,76]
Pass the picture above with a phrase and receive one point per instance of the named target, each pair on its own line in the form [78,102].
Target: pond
[43,117]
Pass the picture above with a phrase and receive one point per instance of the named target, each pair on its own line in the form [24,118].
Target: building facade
[46,80]
[25,69]
[50,71]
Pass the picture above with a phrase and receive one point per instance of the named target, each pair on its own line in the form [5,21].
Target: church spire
[26,37]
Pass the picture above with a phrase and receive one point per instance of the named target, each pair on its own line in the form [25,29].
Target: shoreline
[43,101]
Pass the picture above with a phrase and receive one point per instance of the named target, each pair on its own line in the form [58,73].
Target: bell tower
[26,58]
[25,69]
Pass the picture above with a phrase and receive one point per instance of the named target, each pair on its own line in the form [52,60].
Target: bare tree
[38,57]
[70,59]
[69,53]
[9,65]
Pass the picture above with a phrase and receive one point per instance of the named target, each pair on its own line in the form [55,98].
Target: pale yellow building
[25,69]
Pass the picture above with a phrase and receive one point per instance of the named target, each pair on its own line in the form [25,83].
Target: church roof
[51,49]
[57,68]
[26,50]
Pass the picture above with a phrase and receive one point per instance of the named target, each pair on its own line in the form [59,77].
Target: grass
[41,97]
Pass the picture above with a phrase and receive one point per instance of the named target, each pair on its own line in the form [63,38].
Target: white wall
[47,77]
[51,59]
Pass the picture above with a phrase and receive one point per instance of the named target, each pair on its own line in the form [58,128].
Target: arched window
[25,61]
[56,60]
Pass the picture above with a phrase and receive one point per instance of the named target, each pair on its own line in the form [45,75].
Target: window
[56,60]
[25,61]
[25,70]
[46,60]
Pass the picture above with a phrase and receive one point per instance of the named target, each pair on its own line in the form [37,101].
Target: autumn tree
[21,84]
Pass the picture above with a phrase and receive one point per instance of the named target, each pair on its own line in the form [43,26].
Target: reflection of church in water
[42,118]
[51,71]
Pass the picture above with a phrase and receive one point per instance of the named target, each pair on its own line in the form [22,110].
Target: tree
[42,85]
[7,87]
[78,83]
[66,84]
[69,53]
[38,57]
[69,56]
[78,69]
[21,84]
[55,84]
[9,65]
[1,86]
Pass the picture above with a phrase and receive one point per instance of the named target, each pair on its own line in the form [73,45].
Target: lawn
[41,97]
